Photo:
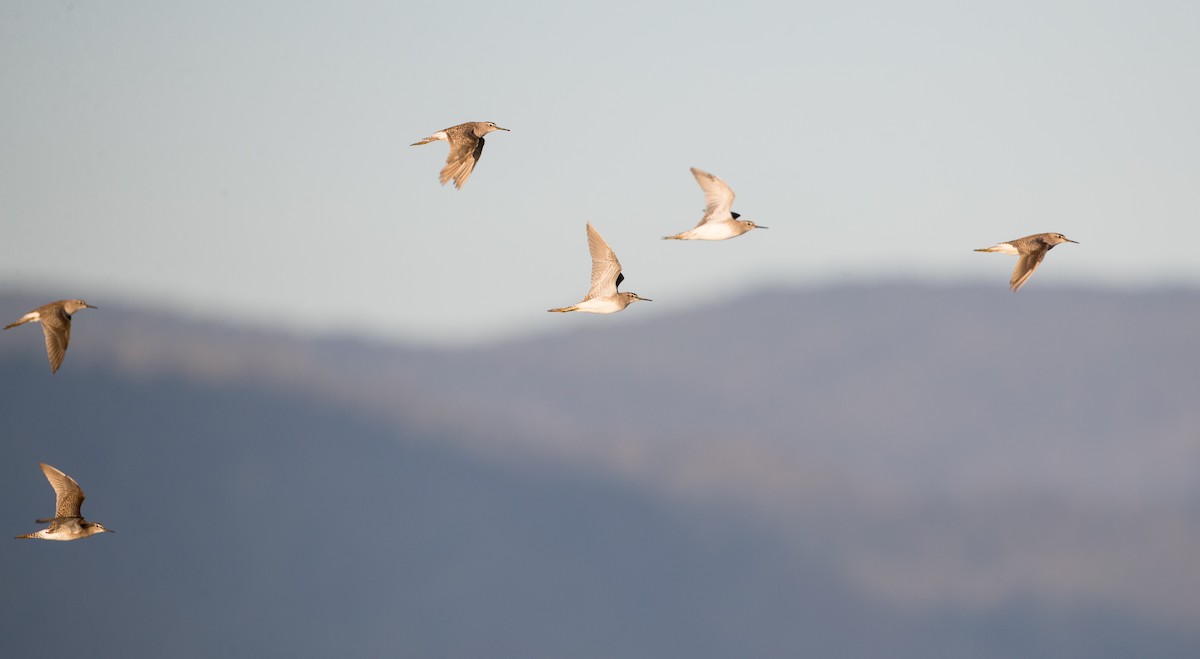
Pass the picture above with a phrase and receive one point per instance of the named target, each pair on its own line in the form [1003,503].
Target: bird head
[751,225]
[631,297]
[97,527]
[71,306]
[1056,238]
[485,127]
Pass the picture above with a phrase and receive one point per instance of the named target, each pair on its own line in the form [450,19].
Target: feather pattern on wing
[1026,264]
[606,270]
[465,151]
[718,197]
[68,495]
[56,325]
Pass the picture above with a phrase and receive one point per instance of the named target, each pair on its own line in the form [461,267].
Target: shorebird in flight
[1031,250]
[719,221]
[56,324]
[606,277]
[466,147]
[67,523]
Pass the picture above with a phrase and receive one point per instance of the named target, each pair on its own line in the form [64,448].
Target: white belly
[716,231]
[599,305]
[59,536]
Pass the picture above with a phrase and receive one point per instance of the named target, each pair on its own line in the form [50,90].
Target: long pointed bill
[759,226]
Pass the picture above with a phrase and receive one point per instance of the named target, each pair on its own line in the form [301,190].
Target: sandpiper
[1032,249]
[719,221]
[466,146]
[56,324]
[606,277]
[67,524]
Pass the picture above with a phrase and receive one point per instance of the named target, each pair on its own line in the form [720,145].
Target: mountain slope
[864,470]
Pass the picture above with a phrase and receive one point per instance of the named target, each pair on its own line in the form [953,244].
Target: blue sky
[252,158]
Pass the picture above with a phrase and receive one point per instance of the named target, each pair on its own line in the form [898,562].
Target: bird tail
[27,318]
[678,236]
[573,307]
[1003,248]
[438,136]
[30,536]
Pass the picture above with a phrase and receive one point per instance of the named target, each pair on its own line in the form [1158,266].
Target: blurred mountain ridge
[933,448]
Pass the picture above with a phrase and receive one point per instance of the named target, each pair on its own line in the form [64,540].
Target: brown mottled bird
[466,147]
[56,323]
[67,523]
[1031,249]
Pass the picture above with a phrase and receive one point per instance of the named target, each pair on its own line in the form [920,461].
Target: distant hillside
[797,472]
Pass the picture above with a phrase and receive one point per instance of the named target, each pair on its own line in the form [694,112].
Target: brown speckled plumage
[1030,251]
[68,522]
[56,324]
[466,147]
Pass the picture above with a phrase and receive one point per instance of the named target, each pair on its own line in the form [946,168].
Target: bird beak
[759,226]
[505,129]
[645,299]
[91,307]
[1072,241]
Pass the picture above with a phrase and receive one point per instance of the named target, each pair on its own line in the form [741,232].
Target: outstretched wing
[718,197]
[68,495]
[606,269]
[57,328]
[1026,264]
[465,151]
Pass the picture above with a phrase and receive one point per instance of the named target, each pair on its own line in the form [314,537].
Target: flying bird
[1031,249]
[466,147]
[606,277]
[56,324]
[67,523]
[719,221]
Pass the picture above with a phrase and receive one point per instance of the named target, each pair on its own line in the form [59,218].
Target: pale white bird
[719,221]
[606,277]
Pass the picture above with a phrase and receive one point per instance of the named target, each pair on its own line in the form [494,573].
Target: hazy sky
[253,158]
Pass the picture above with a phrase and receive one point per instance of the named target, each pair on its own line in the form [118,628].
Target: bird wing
[606,269]
[465,151]
[718,197]
[1026,264]
[68,495]
[56,325]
